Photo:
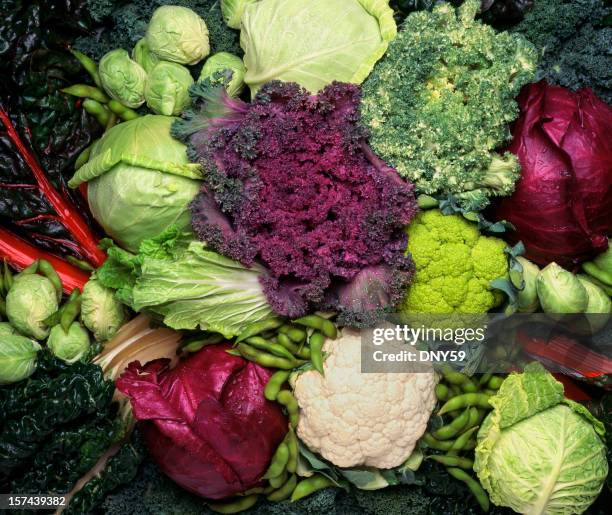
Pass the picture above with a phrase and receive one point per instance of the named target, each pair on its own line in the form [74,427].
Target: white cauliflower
[362,419]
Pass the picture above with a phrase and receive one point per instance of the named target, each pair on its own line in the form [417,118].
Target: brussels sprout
[528,296]
[561,291]
[71,345]
[143,56]
[177,34]
[167,89]
[232,11]
[225,61]
[17,358]
[101,312]
[599,305]
[31,299]
[140,181]
[6,328]
[122,78]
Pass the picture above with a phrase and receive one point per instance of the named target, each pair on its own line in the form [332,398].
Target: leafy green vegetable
[123,79]
[143,56]
[302,46]
[140,180]
[440,101]
[101,313]
[573,38]
[167,89]
[69,346]
[538,452]
[17,357]
[189,286]
[214,67]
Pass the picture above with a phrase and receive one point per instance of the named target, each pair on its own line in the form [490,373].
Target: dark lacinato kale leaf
[35,65]
[122,24]
[56,398]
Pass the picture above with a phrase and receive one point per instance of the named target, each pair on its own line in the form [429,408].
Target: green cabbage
[190,286]
[537,452]
[294,41]
[140,180]
[167,89]
[17,358]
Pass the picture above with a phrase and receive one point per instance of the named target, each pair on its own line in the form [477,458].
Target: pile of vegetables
[209,207]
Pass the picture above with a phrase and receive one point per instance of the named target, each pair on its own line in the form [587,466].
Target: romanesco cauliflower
[455,265]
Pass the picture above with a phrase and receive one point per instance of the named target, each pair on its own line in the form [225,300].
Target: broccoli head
[455,265]
[440,101]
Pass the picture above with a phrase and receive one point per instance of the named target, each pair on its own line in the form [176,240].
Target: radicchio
[206,422]
[291,184]
[562,206]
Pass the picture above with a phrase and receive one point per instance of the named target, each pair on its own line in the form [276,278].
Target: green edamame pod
[2,307]
[278,462]
[295,334]
[89,65]
[460,444]
[489,392]
[286,398]
[495,382]
[437,444]
[97,110]
[294,451]
[471,445]
[484,379]
[79,263]
[322,324]
[273,348]
[455,390]
[85,91]
[473,485]
[45,268]
[8,276]
[316,342]
[70,312]
[300,351]
[454,428]
[32,268]
[278,481]
[310,485]
[480,400]
[442,392]
[460,380]
[112,121]
[452,461]
[2,292]
[274,385]
[473,419]
[265,359]
[240,504]
[55,318]
[123,112]
[285,491]
[259,327]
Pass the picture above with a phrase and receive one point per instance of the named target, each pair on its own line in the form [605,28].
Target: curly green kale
[439,103]
[574,39]
[123,24]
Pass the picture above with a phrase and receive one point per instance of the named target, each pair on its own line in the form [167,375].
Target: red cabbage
[562,206]
[206,422]
[291,184]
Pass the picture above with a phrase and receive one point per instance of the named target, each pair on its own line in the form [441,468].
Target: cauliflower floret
[455,265]
[362,419]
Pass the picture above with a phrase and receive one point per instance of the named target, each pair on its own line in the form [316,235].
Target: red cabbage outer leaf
[562,206]
[206,422]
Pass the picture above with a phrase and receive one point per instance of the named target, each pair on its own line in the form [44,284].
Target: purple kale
[291,184]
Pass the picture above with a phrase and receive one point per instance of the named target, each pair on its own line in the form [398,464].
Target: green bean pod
[32,268]
[452,461]
[480,400]
[8,277]
[437,444]
[89,65]
[286,398]
[327,327]
[278,481]
[275,383]
[310,485]
[123,112]
[294,450]
[460,444]
[316,341]
[454,428]
[442,392]
[278,462]
[300,351]
[45,268]
[265,359]
[473,485]
[97,110]
[70,312]
[240,504]
[86,91]
[285,491]
[495,382]
[484,379]
[273,348]
[56,317]
[259,327]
